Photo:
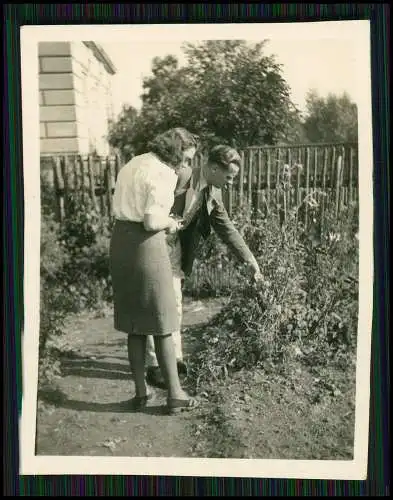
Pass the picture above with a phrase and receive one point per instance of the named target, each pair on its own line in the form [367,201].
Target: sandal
[175,406]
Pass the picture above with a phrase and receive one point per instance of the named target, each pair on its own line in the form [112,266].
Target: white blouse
[144,185]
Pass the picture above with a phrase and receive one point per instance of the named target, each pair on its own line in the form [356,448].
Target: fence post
[290,191]
[338,178]
[307,161]
[259,180]
[109,186]
[351,155]
[65,164]
[325,162]
[101,174]
[277,170]
[315,170]
[75,172]
[298,179]
[342,188]
[82,177]
[249,180]
[59,187]
[241,178]
[332,173]
[269,173]
[92,183]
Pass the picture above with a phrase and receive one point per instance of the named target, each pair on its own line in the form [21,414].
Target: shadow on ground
[85,367]
[116,343]
[57,398]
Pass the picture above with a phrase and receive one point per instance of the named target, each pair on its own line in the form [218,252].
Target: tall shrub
[306,306]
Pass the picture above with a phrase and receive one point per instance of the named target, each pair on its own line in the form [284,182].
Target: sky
[327,65]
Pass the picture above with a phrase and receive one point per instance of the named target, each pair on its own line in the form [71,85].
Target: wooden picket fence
[91,176]
[270,177]
[263,182]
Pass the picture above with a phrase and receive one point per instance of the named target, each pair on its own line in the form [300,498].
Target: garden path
[87,415]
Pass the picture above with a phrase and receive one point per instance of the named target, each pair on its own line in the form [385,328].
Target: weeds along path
[86,413]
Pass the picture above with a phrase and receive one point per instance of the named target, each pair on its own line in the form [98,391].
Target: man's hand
[174,225]
[258,277]
[255,271]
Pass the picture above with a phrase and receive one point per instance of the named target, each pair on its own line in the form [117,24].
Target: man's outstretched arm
[228,233]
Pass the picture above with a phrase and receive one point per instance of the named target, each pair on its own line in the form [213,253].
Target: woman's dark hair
[224,156]
[170,145]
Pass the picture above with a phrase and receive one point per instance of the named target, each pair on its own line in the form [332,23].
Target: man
[198,200]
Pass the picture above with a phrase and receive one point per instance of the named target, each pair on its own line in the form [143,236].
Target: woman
[144,297]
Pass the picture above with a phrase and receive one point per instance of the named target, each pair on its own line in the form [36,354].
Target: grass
[266,416]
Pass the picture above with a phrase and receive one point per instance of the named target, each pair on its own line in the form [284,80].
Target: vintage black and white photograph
[198,224]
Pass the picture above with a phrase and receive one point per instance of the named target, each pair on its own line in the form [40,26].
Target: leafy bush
[85,238]
[53,305]
[305,309]
[74,271]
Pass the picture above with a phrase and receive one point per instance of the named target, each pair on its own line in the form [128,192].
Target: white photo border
[31,464]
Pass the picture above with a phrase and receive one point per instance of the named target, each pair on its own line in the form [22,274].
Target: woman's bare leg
[166,357]
[136,357]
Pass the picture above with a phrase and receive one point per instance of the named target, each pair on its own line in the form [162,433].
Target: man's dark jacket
[203,222]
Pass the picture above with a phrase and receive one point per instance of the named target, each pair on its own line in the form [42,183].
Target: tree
[294,133]
[120,132]
[164,81]
[228,91]
[331,119]
[240,95]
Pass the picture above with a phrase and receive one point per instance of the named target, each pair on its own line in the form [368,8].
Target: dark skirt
[142,281]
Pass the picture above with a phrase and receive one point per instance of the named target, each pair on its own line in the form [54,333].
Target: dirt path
[87,414]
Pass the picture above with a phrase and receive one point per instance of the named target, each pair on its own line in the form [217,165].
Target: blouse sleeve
[160,194]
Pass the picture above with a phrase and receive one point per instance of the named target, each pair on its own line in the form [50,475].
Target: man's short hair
[224,156]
